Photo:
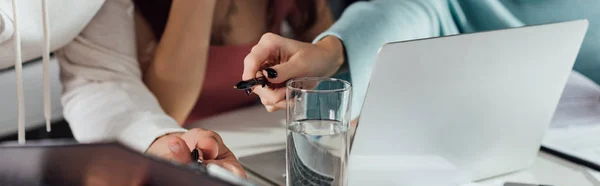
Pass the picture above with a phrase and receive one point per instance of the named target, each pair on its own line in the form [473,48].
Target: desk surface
[253,130]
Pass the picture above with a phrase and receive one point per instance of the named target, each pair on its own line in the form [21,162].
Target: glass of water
[318,115]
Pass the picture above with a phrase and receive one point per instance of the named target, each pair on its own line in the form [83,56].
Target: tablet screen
[92,164]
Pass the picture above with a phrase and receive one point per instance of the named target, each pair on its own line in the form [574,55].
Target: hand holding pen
[194,145]
[276,60]
[248,84]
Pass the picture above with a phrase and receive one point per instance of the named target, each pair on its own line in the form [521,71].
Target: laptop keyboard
[305,176]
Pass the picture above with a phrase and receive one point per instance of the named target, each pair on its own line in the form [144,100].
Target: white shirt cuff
[142,133]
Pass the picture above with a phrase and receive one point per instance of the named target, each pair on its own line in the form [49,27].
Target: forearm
[177,73]
[103,96]
[106,111]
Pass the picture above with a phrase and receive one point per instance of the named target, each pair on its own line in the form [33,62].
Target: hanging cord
[46,64]
[19,72]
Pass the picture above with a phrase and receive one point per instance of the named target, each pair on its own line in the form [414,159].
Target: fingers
[268,46]
[179,150]
[276,107]
[209,147]
[253,61]
[209,143]
[270,96]
[271,48]
[284,71]
[213,149]
[273,99]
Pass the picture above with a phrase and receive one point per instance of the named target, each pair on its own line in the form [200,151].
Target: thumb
[179,151]
[283,72]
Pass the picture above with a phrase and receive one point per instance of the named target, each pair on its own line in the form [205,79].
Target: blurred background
[32,78]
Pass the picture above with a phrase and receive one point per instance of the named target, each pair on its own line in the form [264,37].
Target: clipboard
[94,164]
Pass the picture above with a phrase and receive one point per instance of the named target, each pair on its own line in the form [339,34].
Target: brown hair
[156,13]
[305,15]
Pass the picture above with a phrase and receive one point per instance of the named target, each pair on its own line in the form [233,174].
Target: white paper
[594,175]
[575,128]
[579,104]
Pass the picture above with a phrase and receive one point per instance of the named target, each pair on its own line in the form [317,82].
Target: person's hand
[178,146]
[281,59]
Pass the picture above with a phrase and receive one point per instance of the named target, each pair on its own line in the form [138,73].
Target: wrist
[162,140]
[335,48]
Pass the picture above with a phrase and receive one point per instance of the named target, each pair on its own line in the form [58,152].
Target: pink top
[224,69]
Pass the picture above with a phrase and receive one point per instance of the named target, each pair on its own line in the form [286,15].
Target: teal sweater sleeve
[365,26]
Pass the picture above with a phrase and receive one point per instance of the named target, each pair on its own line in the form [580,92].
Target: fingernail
[174,147]
[248,92]
[271,73]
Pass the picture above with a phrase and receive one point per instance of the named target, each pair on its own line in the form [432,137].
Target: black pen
[196,156]
[216,171]
[196,164]
[248,84]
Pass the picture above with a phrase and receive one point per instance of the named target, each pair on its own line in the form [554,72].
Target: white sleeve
[104,96]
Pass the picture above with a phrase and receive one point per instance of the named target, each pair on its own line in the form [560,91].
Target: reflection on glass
[317,128]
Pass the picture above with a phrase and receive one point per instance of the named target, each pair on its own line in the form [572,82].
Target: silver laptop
[481,102]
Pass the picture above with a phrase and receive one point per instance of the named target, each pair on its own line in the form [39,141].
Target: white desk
[253,130]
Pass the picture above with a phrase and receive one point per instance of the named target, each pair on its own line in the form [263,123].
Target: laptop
[478,104]
[47,163]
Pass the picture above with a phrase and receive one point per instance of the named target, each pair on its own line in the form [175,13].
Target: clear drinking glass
[318,115]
